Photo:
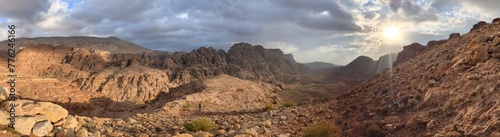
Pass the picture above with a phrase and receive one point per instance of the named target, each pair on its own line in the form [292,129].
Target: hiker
[199,107]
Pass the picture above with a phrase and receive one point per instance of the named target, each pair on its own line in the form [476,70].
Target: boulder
[42,128]
[24,125]
[4,93]
[82,132]
[4,118]
[53,112]
[70,122]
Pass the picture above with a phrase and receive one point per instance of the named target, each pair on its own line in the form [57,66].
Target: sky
[334,31]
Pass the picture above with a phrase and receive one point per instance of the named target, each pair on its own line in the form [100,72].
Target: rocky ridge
[448,90]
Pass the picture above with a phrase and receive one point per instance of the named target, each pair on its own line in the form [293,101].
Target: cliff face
[410,51]
[139,77]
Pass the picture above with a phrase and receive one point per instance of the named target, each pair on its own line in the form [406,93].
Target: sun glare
[390,32]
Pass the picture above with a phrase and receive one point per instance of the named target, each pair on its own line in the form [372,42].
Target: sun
[391,32]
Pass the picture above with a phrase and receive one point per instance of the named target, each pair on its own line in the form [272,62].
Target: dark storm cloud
[24,9]
[413,11]
[95,11]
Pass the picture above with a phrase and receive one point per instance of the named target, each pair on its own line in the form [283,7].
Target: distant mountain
[320,65]
[363,67]
[110,44]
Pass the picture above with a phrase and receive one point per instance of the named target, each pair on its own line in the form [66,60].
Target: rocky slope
[448,90]
[111,44]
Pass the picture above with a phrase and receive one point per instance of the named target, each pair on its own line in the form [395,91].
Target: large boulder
[42,128]
[24,125]
[53,112]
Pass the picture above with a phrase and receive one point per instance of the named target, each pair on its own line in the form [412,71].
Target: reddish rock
[410,52]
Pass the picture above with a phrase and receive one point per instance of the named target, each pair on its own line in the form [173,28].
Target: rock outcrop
[409,52]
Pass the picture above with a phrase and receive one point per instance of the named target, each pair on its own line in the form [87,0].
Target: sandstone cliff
[139,77]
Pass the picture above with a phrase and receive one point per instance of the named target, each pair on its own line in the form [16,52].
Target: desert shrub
[268,108]
[201,124]
[322,130]
[384,110]
[288,104]
[418,96]
[373,131]
[186,107]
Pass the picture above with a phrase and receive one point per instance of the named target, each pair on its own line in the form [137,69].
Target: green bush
[288,104]
[268,108]
[373,131]
[201,124]
[322,130]
[186,107]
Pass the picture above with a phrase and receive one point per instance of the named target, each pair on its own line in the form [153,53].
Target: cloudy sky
[335,31]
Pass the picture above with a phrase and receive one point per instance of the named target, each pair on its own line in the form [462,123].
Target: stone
[4,118]
[267,123]
[31,109]
[70,122]
[39,118]
[389,126]
[96,134]
[60,122]
[283,118]
[132,121]
[184,135]
[53,112]
[66,133]
[42,128]
[284,135]
[204,134]
[221,132]
[249,131]
[4,93]
[236,126]
[24,125]
[82,132]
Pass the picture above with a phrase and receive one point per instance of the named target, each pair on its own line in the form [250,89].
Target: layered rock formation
[410,51]
[139,77]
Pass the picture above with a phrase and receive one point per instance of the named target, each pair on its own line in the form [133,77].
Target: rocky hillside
[139,77]
[450,89]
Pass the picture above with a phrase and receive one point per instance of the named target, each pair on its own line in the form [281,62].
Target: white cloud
[183,16]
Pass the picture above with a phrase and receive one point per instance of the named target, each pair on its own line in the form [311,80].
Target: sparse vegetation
[373,131]
[322,130]
[186,107]
[268,108]
[418,96]
[201,124]
[288,104]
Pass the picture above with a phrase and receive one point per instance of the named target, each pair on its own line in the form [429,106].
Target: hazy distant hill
[316,66]
[110,44]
